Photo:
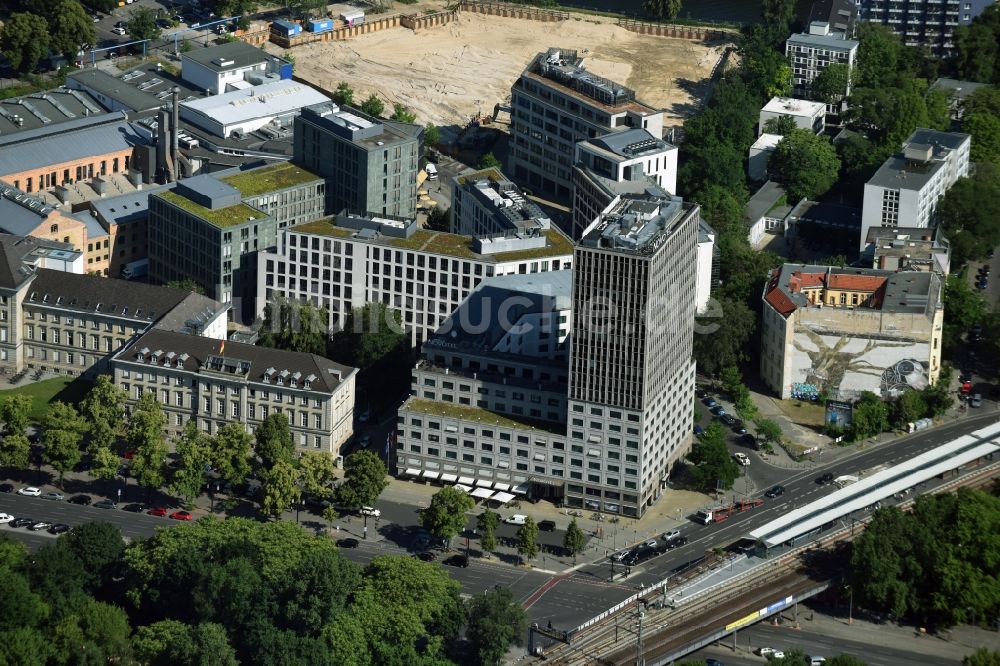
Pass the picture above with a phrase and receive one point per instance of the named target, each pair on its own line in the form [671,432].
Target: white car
[771,653]
[741,458]
[516,519]
[5,518]
[370,511]
[30,491]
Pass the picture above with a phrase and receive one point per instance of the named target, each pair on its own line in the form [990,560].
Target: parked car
[6,518]
[709,401]
[741,459]
[53,495]
[59,528]
[371,511]
[776,491]
[976,400]
[738,427]
[671,535]
[158,511]
[181,515]
[516,519]
[461,561]
[365,441]
[6,488]
[105,504]
[82,500]
[134,507]
[40,525]
[30,491]
[824,479]
[347,543]
[547,525]
[728,420]
[718,410]
[118,31]
[698,430]
[771,653]
[22,522]
[426,555]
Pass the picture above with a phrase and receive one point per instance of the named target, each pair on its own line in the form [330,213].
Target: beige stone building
[844,331]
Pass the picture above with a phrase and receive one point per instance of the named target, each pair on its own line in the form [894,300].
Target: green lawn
[66,389]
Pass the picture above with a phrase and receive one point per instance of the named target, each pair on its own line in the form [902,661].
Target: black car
[6,488]
[824,479]
[547,525]
[135,507]
[348,543]
[22,522]
[461,561]
[60,528]
[83,500]
[426,555]
[738,427]
[777,491]
[749,441]
[728,420]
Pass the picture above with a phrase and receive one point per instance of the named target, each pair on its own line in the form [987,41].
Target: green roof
[270,178]
[220,217]
[322,227]
[558,244]
[479,415]
[439,242]
[492,174]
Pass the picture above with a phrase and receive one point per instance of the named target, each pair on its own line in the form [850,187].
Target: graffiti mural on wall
[846,365]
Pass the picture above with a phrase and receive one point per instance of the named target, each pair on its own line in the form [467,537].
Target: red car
[181,515]
[157,511]
[129,454]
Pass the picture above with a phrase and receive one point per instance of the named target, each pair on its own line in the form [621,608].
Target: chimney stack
[175,155]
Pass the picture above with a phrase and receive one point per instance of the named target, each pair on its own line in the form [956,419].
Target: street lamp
[850,604]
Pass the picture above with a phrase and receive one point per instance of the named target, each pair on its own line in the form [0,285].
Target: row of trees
[238,592]
[60,27]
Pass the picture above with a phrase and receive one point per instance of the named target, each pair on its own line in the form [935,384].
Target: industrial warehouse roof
[122,89]
[69,141]
[41,109]
[20,213]
[268,99]
[233,55]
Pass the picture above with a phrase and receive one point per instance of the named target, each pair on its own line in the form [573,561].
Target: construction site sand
[447,74]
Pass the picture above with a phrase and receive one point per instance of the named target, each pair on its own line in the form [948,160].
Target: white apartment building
[630,154]
[707,266]
[342,263]
[812,52]
[807,115]
[487,202]
[905,190]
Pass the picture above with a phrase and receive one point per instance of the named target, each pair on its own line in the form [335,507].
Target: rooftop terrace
[270,178]
[479,415]
[220,217]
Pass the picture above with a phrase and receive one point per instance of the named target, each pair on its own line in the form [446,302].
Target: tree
[830,85]
[142,24]
[722,333]
[489,161]
[99,547]
[144,437]
[769,430]
[187,284]
[173,643]
[778,14]
[731,379]
[280,488]
[401,114]
[15,451]
[527,539]
[713,466]
[25,39]
[104,464]
[316,472]
[496,620]
[364,479]
[969,214]
[445,517]
[274,441]
[982,657]
[373,106]
[907,408]
[964,307]
[780,125]
[976,52]
[879,54]
[573,541]
[231,452]
[344,94]
[104,410]
[14,411]
[63,429]
[98,630]
[980,112]
[306,8]
[665,10]
[869,417]
[371,334]
[71,28]
[315,591]
[486,524]
[294,326]
[805,163]
[193,453]
[432,135]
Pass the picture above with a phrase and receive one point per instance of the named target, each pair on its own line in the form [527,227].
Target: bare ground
[447,74]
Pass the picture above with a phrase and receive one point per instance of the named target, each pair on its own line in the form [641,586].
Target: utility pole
[641,611]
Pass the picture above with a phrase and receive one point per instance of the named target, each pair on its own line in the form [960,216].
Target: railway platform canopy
[808,520]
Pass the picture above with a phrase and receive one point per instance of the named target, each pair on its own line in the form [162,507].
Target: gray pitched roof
[114,297]
[195,311]
[15,253]
[237,54]
[763,200]
[103,84]
[49,107]
[20,213]
[327,374]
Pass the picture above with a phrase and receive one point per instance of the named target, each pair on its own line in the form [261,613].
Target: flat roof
[127,207]
[767,141]
[268,99]
[834,41]
[478,415]
[763,200]
[444,243]
[271,178]
[897,173]
[228,56]
[636,225]
[630,143]
[794,107]
[117,88]
[221,217]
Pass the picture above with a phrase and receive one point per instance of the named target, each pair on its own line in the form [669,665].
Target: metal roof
[834,42]
[127,207]
[630,143]
[269,99]
[46,108]
[20,213]
[119,88]
[69,141]
[226,57]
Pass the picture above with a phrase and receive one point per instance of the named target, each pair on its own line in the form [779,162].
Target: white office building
[905,190]
[812,52]
[807,115]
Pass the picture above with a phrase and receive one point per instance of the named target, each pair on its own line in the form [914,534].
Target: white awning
[484,483]
[503,498]
[428,474]
[521,489]
[482,493]
[467,480]
[411,471]
[501,486]
[449,478]
[463,488]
